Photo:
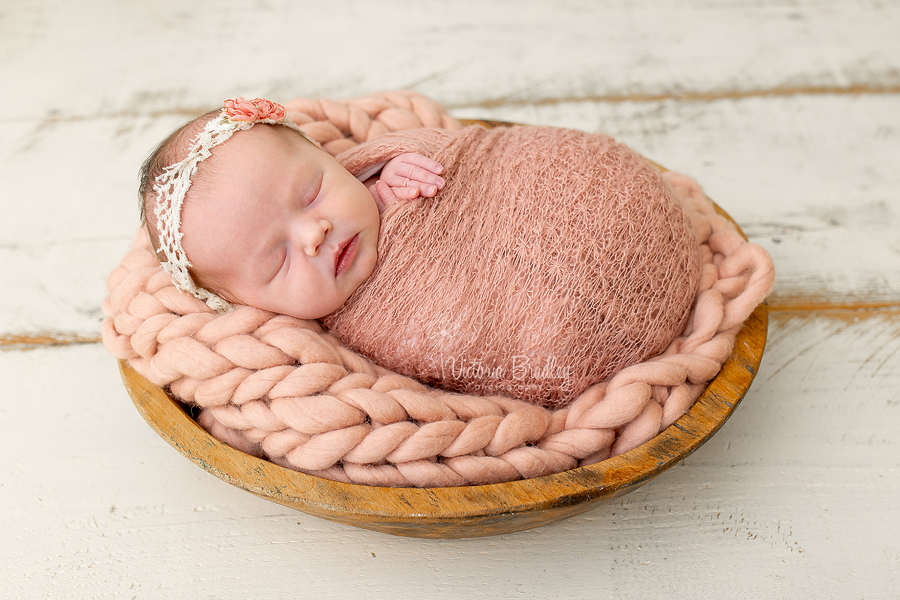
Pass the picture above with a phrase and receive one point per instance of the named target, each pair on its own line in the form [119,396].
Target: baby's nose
[315,235]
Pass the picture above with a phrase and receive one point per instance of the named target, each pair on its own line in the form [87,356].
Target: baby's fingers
[385,194]
[408,176]
[389,194]
[423,162]
[407,193]
[413,168]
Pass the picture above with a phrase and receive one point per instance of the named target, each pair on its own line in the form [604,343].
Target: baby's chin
[291,307]
[304,309]
[300,310]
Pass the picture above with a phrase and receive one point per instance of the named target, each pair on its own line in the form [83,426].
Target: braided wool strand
[283,388]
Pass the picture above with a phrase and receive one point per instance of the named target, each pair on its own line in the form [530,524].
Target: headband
[172,185]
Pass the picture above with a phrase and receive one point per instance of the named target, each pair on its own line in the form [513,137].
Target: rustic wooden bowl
[471,511]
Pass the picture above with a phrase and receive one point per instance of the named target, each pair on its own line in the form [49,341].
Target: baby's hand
[409,176]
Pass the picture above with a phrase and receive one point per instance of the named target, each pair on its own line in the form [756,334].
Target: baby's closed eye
[278,263]
[311,191]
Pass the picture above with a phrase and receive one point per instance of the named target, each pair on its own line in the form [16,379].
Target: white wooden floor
[787,111]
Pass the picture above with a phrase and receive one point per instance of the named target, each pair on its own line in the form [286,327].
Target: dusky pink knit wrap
[552,259]
[285,389]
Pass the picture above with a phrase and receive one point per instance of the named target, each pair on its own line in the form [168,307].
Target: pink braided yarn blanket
[286,389]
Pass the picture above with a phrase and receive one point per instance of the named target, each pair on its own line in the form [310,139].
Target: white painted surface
[787,113]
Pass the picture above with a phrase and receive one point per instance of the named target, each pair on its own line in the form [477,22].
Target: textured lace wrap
[552,259]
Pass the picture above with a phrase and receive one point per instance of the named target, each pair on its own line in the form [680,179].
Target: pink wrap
[552,259]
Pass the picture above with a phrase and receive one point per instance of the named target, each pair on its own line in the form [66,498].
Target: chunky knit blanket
[286,389]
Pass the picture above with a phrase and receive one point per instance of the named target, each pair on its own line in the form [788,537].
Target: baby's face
[280,225]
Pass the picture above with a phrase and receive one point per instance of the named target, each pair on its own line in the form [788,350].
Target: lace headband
[172,185]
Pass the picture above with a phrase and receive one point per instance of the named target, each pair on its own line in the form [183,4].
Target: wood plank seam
[510,101]
[694,96]
[43,340]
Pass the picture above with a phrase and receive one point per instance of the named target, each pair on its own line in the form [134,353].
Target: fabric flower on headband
[253,110]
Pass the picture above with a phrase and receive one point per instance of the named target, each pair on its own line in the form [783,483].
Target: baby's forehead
[261,164]
[260,155]
[268,141]
[272,134]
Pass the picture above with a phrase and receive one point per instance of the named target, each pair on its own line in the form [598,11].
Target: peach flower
[253,110]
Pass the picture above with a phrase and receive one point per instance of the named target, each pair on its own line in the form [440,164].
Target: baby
[272,221]
[536,261]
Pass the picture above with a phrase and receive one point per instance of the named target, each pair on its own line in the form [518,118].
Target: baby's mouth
[345,255]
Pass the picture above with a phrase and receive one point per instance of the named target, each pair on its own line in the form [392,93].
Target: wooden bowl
[470,511]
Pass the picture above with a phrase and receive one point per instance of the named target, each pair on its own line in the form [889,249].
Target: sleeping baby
[528,261]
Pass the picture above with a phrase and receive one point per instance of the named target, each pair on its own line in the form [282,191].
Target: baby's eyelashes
[311,194]
[279,263]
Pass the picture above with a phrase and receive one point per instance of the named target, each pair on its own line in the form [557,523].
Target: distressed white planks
[109,57]
[786,112]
